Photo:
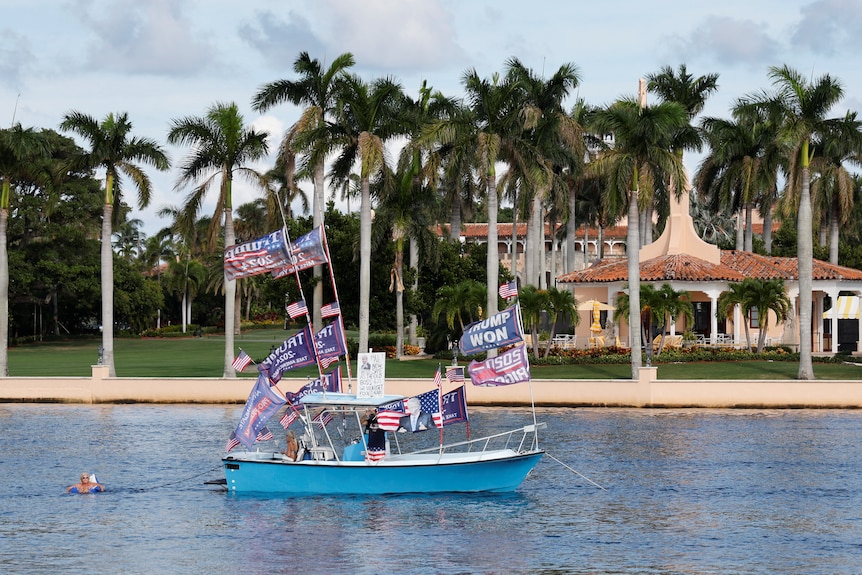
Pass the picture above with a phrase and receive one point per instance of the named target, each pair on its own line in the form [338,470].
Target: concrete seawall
[648,391]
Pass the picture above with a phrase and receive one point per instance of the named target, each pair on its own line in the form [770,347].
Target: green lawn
[202,357]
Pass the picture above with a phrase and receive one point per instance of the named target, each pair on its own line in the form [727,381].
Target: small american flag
[323,418]
[241,361]
[297,309]
[264,435]
[455,374]
[325,362]
[329,310]
[509,290]
[429,402]
[231,443]
[288,417]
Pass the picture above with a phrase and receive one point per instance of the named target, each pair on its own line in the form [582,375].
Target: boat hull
[497,471]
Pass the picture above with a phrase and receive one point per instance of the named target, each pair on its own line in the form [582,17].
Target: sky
[159,60]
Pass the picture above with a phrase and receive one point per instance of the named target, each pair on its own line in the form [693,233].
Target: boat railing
[526,437]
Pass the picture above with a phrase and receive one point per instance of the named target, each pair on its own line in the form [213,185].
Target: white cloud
[730,41]
[152,37]
[830,27]
[391,34]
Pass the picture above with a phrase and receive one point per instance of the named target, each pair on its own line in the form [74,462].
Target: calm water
[687,491]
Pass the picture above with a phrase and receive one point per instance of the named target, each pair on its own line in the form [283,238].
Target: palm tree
[114,149]
[562,304]
[670,305]
[221,149]
[640,160]
[533,302]
[366,117]
[727,302]
[833,188]
[551,139]
[481,134]
[18,147]
[317,90]
[691,93]
[803,105]
[463,302]
[765,296]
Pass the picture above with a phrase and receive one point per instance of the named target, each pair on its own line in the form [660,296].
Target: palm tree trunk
[749,212]
[107,257]
[364,263]
[4,295]
[492,268]
[767,232]
[805,254]
[229,299]
[541,262]
[633,251]
[414,265]
[530,250]
[740,231]
[834,234]
[455,217]
[571,230]
[398,286]
[513,261]
[317,272]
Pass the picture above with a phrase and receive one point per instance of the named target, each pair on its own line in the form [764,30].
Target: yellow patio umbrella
[597,310]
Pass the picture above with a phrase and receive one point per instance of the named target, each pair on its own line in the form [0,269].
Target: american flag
[288,417]
[297,309]
[241,361]
[330,310]
[264,435]
[323,418]
[389,420]
[232,442]
[375,453]
[325,362]
[509,290]
[429,402]
[455,374]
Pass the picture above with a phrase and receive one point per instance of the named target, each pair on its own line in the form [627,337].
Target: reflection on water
[687,491]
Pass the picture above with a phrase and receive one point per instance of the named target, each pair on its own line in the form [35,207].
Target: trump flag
[499,330]
[256,257]
[262,404]
[509,367]
[306,252]
[296,351]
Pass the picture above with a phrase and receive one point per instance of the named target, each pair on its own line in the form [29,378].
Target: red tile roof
[735,266]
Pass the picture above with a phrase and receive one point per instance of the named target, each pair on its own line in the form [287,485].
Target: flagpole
[302,298]
[527,356]
[335,293]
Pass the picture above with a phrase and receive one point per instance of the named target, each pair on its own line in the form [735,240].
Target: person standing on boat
[85,485]
[376,442]
[416,420]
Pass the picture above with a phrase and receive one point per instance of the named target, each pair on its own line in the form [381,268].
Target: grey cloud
[829,27]
[152,37]
[730,41]
[279,41]
[414,35]
[15,58]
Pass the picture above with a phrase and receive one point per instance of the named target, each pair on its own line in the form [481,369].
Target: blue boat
[327,465]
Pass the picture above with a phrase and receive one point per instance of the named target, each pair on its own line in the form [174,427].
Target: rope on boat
[575,471]
[190,478]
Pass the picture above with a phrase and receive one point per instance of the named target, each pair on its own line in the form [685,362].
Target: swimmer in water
[85,486]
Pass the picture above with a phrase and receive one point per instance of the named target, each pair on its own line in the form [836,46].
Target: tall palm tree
[222,148]
[691,93]
[803,105]
[484,131]
[114,149]
[639,161]
[366,117]
[833,187]
[551,139]
[18,147]
[316,90]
